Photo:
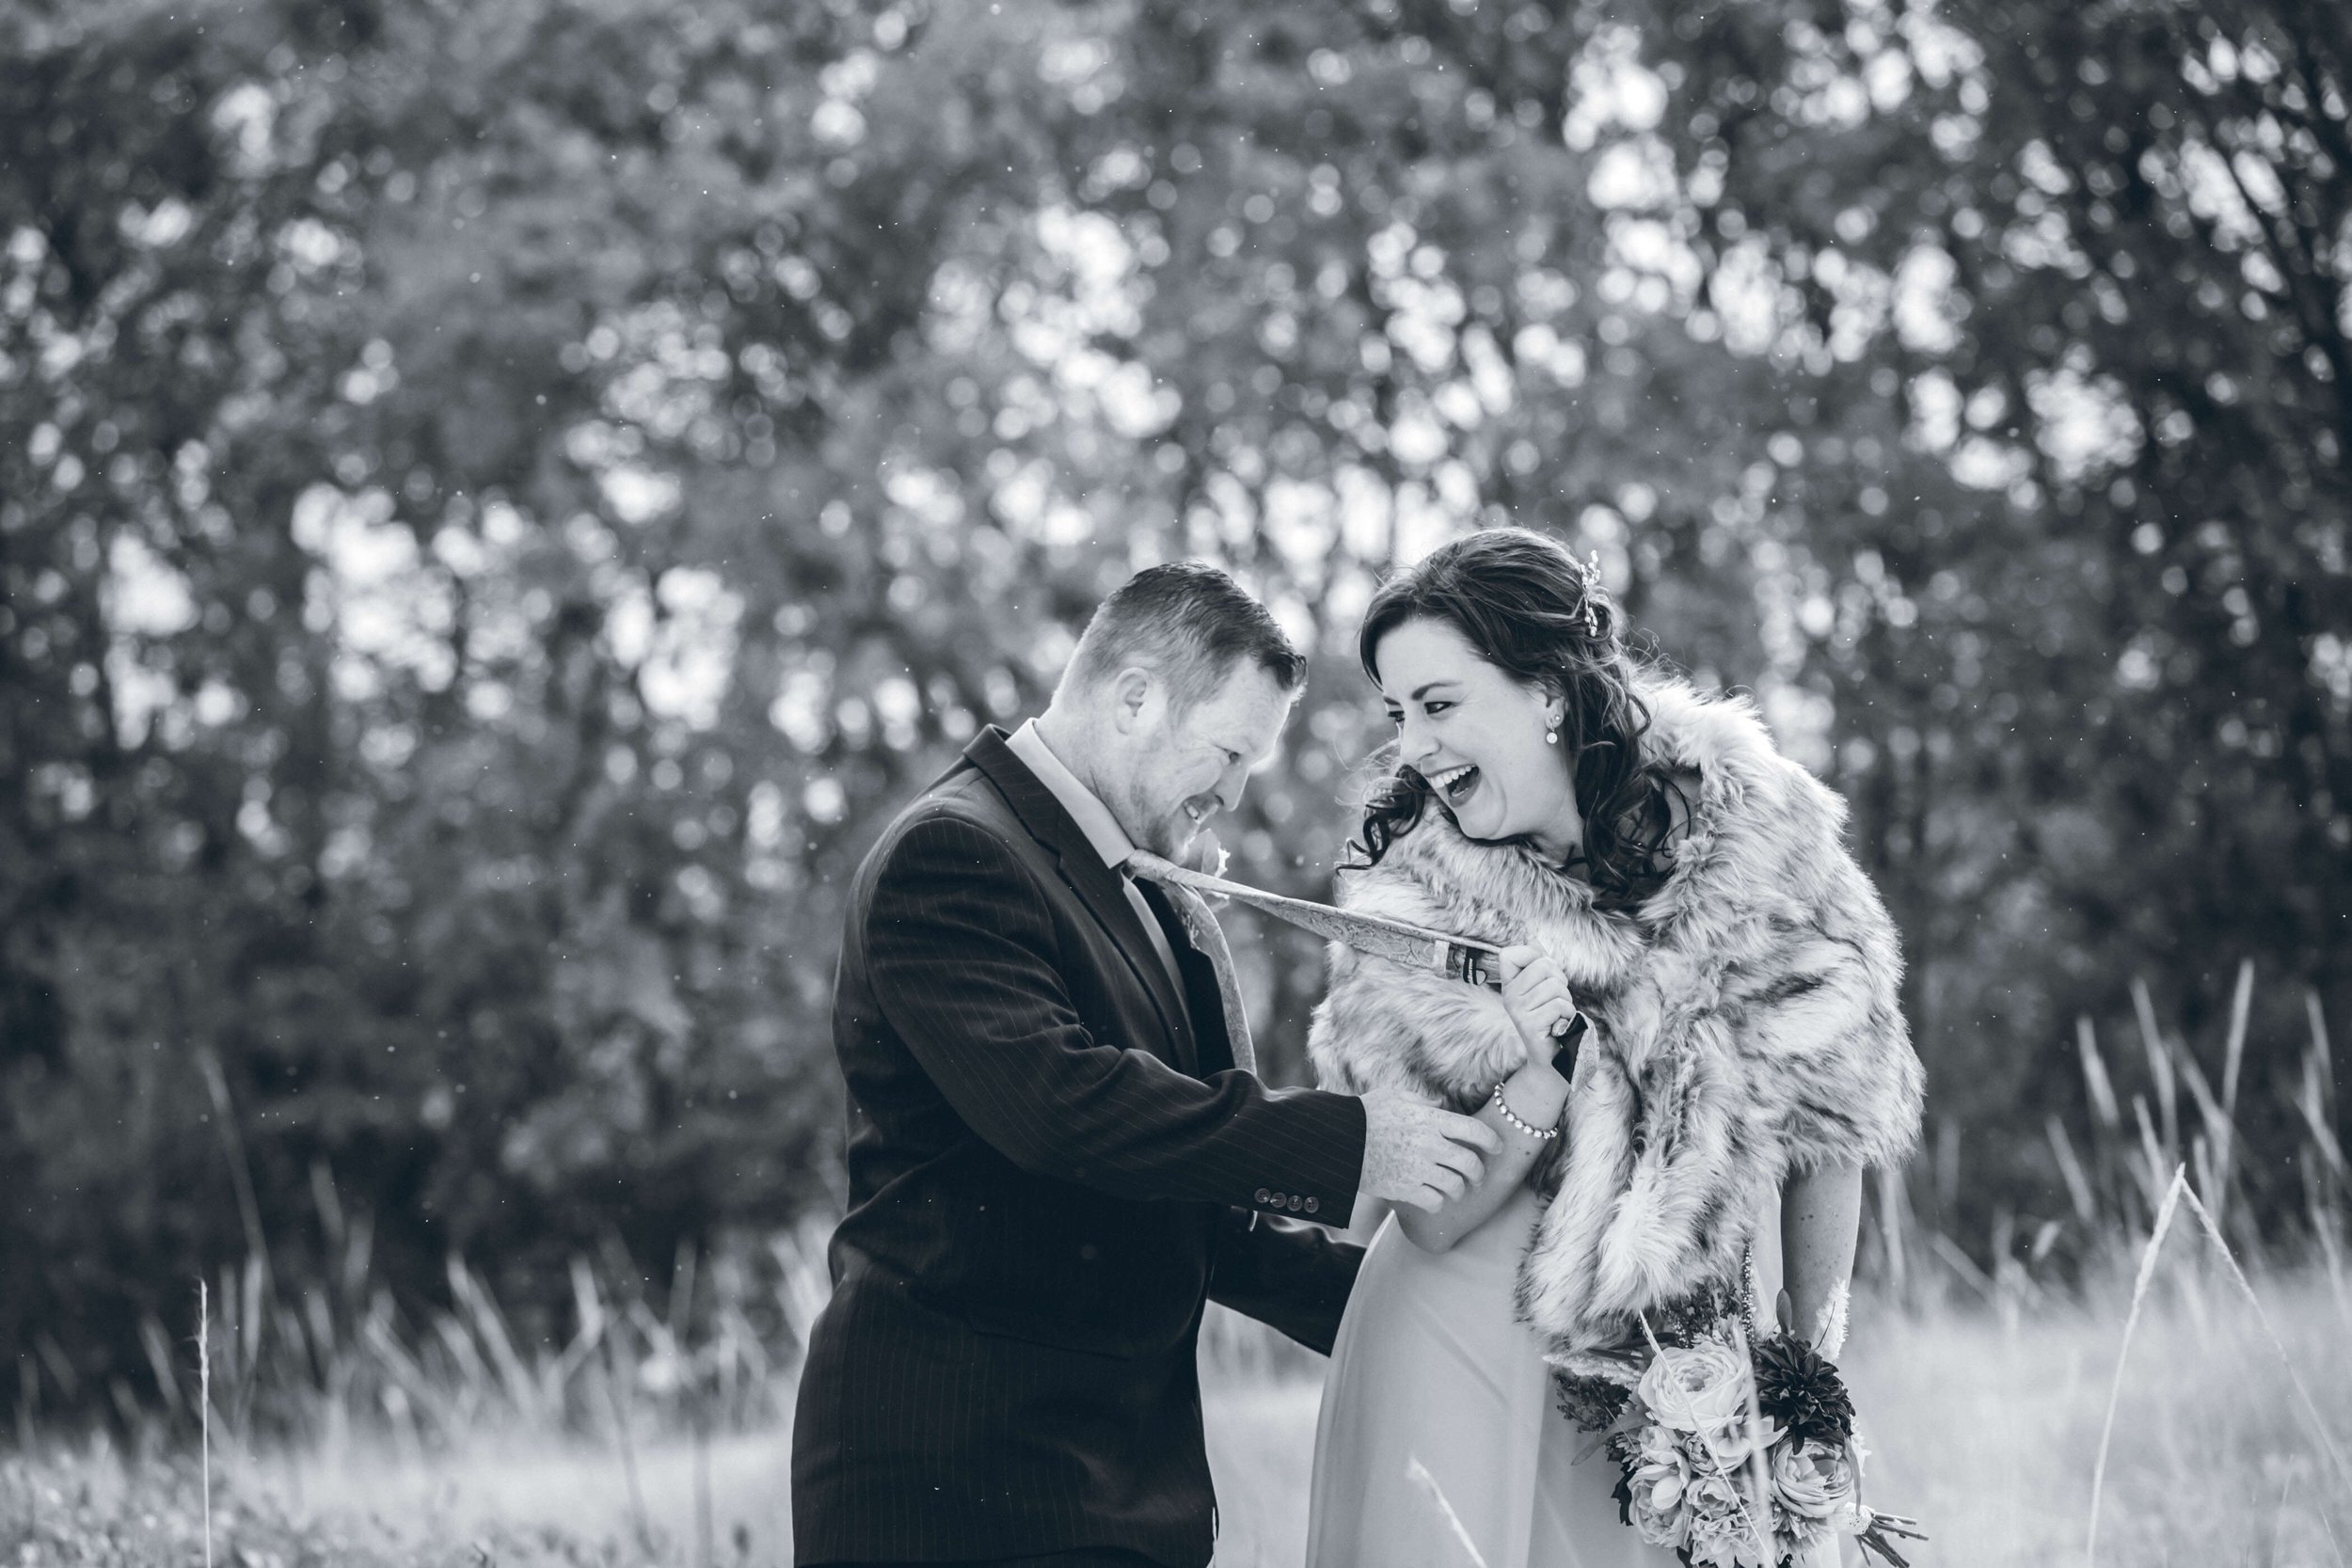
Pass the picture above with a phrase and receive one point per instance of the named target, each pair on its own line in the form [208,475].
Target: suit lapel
[1096,884]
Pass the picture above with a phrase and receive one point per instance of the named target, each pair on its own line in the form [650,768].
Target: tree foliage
[498,503]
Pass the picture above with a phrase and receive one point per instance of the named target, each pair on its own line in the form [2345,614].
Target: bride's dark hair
[1525,605]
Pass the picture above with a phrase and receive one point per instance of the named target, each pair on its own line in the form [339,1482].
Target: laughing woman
[1648,859]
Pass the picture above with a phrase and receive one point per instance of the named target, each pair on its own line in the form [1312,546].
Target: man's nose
[1230,784]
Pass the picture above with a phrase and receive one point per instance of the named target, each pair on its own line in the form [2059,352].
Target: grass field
[1985,1423]
[1986,1396]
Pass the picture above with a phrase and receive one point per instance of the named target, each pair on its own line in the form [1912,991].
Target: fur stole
[1746,1021]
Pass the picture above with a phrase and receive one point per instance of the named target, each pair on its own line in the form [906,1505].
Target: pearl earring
[1552,737]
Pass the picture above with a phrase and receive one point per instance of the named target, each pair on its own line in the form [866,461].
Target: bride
[1648,859]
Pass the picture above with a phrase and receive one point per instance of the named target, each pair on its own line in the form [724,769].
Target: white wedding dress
[1439,1445]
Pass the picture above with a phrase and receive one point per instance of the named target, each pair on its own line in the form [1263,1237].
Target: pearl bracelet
[1542,1134]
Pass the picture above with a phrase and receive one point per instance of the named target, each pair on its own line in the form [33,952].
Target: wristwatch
[1571,1038]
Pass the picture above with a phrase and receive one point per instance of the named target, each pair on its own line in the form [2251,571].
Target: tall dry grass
[345,1431]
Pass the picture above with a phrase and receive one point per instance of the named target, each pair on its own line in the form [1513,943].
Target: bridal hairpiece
[1589,569]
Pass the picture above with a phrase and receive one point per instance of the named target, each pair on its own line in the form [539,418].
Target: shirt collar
[1085,807]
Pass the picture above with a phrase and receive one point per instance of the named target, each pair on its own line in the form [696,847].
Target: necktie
[1208,938]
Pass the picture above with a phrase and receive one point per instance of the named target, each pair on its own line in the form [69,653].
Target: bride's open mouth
[1456,784]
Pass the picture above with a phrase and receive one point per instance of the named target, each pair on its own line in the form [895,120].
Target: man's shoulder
[963,814]
[964,795]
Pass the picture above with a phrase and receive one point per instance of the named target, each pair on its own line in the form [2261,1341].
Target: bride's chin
[1479,833]
[1482,806]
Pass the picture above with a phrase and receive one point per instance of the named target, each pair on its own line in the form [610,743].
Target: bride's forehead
[1420,652]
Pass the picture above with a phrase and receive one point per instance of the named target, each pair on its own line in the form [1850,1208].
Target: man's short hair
[1190,625]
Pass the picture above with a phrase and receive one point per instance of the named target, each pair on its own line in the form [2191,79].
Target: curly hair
[1525,605]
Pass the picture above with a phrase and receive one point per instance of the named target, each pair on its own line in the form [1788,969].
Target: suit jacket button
[1265,1197]
[1312,1205]
[1297,1203]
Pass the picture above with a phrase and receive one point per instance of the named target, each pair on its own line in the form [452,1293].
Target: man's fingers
[1429,1157]
[1475,1133]
[1470,1166]
[1461,1159]
[1431,1194]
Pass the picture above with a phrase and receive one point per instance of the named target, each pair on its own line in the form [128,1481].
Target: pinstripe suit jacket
[1050,1172]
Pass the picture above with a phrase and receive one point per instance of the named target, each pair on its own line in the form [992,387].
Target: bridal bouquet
[1735,1450]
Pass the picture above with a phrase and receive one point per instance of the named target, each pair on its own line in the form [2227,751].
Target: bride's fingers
[1541,1013]
[1536,1006]
[1530,1000]
[1539,988]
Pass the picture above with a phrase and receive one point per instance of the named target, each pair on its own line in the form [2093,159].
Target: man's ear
[1136,700]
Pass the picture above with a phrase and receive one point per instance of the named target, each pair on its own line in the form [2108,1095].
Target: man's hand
[1536,995]
[1420,1155]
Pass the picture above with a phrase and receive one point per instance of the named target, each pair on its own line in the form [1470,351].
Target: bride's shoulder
[1717,749]
[1702,732]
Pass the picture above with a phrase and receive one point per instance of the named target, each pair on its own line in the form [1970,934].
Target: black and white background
[499,501]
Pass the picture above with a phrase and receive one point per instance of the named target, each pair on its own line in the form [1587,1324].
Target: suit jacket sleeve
[963,958]
[1291,1277]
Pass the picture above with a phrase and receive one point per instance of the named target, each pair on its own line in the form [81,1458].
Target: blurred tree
[2061,336]
[498,504]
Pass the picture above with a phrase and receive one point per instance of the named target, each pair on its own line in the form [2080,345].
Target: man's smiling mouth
[1455,784]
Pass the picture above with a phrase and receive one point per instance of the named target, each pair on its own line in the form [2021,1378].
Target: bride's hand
[1536,994]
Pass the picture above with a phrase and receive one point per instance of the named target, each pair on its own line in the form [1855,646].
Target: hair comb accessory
[1589,569]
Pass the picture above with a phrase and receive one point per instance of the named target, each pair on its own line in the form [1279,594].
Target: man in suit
[1056,1159]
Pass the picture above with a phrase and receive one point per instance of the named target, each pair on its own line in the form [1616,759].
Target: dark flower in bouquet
[1798,1389]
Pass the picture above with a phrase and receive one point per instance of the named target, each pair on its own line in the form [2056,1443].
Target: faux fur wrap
[1746,1021]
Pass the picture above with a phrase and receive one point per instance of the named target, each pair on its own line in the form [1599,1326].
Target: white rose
[1704,1388]
[1813,1480]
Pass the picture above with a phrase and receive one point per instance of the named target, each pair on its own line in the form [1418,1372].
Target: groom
[1056,1155]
